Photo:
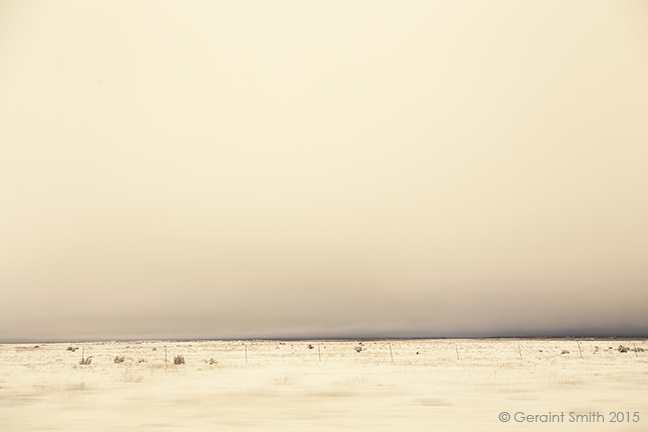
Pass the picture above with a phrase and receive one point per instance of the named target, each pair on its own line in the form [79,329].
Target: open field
[419,384]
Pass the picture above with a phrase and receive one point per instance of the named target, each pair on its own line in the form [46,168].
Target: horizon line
[345,338]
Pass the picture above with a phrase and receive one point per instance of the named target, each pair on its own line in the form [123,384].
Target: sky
[291,169]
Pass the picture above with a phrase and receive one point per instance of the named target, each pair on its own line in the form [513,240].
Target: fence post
[579,349]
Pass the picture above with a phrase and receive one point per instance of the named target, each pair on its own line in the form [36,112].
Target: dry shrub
[179,359]
[119,359]
[86,361]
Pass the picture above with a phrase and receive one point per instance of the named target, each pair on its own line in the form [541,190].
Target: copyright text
[572,417]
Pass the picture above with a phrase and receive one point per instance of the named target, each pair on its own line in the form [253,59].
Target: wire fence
[394,351]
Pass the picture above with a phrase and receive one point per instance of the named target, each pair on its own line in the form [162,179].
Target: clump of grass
[358,349]
[119,359]
[212,361]
[72,348]
[86,361]
[623,349]
[179,359]
[564,352]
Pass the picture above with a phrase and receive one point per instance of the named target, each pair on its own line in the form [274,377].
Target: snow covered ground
[395,385]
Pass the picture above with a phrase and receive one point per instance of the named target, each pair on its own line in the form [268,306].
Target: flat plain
[325,385]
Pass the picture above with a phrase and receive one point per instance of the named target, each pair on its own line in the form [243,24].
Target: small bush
[86,361]
[119,359]
[310,346]
[564,352]
[623,349]
[179,359]
[212,361]
[72,349]
[358,348]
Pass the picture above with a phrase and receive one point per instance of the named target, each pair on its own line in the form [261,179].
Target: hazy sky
[311,169]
